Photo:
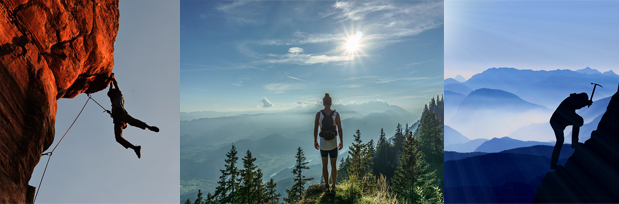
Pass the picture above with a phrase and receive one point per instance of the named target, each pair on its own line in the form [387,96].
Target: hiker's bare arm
[338,122]
[316,123]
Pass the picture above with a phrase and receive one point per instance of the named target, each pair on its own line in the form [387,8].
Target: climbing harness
[50,153]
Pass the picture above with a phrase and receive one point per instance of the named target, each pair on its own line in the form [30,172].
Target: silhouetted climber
[121,117]
[566,115]
[328,120]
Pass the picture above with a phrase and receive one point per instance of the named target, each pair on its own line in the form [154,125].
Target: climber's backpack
[327,130]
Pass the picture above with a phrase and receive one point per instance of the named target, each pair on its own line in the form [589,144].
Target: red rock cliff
[49,49]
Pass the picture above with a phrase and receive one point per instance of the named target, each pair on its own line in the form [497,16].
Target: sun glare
[353,43]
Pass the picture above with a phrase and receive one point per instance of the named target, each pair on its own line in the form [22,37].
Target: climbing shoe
[153,128]
[137,151]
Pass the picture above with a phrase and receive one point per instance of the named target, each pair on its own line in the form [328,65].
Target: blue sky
[274,55]
[89,165]
[537,35]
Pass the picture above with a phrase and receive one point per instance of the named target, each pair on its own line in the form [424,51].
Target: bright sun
[354,42]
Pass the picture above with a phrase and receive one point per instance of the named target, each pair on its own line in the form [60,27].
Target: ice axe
[594,85]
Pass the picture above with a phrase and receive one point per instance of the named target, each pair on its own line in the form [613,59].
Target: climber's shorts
[330,153]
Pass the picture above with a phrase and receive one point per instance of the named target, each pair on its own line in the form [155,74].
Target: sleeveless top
[327,144]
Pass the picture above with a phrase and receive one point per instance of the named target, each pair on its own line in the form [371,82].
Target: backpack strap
[332,113]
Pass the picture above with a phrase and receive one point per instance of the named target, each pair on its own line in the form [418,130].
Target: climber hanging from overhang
[121,117]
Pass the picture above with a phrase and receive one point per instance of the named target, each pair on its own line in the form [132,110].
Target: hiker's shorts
[330,153]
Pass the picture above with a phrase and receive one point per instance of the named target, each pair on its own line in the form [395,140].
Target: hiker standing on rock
[121,117]
[566,115]
[328,120]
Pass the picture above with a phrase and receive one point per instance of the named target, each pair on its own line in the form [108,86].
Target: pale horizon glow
[535,35]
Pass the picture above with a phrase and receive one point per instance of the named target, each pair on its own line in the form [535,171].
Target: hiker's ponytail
[326,100]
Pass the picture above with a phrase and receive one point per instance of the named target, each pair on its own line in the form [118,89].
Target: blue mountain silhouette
[456,86]
[505,143]
[453,136]
[486,98]
[546,88]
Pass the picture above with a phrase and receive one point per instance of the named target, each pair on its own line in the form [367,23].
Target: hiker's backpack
[327,130]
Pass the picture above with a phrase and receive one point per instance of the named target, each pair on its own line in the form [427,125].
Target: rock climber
[566,115]
[121,117]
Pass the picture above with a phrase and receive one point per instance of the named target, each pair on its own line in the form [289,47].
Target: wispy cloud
[234,4]
[189,67]
[308,103]
[282,87]
[356,11]
[306,59]
[353,86]
[240,12]
[360,78]
[239,83]
[295,78]
[389,80]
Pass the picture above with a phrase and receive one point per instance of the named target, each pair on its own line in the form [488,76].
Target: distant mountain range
[546,88]
[516,103]
[506,143]
[294,123]
[452,101]
[456,86]
[453,136]
[487,113]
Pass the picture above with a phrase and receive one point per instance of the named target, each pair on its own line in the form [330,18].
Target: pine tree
[271,193]
[431,138]
[398,139]
[228,181]
[356,155]
[250,189]
[342,172]
[295,194]
[360,168]
[199,199]
[413,174]
[384,158]
[371,147]
[382,139]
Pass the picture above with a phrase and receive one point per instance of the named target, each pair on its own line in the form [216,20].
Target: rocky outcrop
[49,49]
[591,174]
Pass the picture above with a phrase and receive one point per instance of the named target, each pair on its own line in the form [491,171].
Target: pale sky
[537,35]
[89,166]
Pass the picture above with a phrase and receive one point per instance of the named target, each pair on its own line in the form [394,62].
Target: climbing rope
[51,152]
[104,110]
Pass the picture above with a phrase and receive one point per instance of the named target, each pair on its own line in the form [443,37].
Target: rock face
[591,174]
[49,49]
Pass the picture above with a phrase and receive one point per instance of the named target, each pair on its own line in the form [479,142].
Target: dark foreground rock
[591,174]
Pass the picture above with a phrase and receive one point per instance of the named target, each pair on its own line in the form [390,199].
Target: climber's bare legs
[118,132]
[125,117]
